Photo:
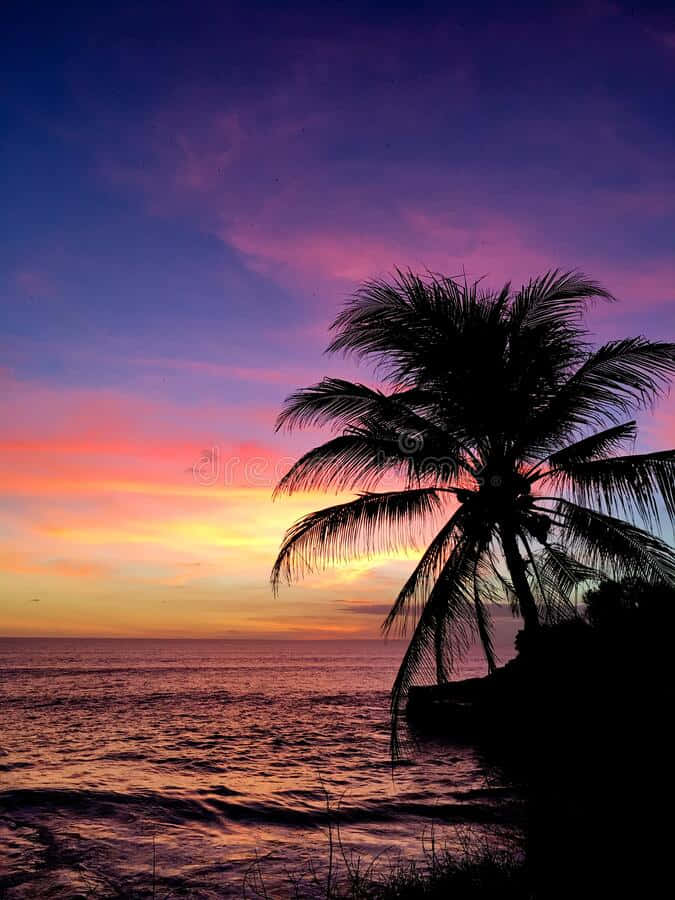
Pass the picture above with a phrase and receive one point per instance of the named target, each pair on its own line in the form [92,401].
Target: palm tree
[503,430]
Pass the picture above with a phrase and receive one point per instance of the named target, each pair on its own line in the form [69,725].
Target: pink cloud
[322,231]
[75,440]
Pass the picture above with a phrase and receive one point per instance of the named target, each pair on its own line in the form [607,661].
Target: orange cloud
[29,563]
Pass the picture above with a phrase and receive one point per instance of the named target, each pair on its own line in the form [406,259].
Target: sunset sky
[190,192]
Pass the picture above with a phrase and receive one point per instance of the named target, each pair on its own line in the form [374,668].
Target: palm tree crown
[504,430]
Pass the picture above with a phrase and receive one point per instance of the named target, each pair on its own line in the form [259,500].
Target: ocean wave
[219,806]
[129,668]
[12,766]
[105,804]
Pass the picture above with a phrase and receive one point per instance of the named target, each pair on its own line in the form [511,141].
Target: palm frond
[415,591]
[618,379]
[636,486]
[418,332]
[565,572]
[624,376]
[555,579]
[450,602]
[341,403]
[385,320]
[411,433]
[556,298]
[595,445]
[441,638]
[359,459]
[372,523]
[482,591]
[616,548]
[505,583]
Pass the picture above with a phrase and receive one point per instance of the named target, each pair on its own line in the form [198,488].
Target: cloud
[370,609]
[85,436]
[319,222]
[321,165]
[26,562]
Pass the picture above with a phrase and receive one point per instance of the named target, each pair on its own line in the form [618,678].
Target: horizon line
[136,637]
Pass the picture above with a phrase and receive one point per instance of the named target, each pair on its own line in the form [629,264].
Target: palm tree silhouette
[502,425]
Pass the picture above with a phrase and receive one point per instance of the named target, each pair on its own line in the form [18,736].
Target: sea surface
[166,768]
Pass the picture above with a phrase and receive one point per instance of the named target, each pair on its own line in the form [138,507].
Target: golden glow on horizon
[105,530]
[118,543]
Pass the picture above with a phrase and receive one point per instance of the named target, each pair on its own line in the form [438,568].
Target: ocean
[166,768]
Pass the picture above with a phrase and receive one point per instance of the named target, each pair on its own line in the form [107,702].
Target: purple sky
[191,191]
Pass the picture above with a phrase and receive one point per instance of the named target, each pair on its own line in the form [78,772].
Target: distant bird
[502,426]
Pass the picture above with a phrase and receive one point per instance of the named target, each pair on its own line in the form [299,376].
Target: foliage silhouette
[504,431]
[631,605]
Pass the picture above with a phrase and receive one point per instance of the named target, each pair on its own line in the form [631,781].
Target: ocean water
[192,759]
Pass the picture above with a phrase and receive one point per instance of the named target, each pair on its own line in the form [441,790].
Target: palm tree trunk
[516,566]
